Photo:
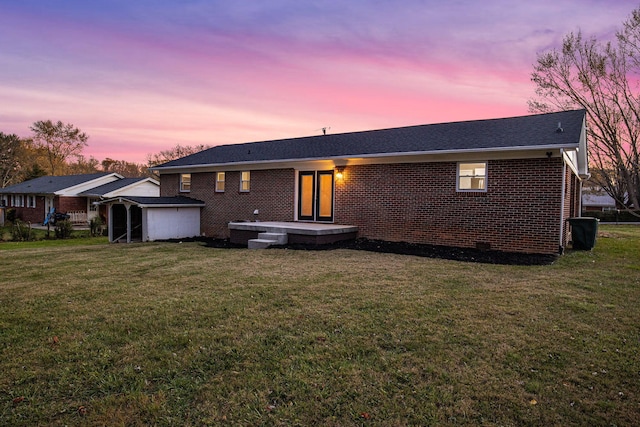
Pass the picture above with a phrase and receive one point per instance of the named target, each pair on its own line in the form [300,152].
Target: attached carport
[142,219]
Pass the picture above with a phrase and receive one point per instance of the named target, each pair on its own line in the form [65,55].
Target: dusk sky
[140,76]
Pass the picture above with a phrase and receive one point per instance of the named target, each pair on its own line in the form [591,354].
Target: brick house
[504,184]
[72,194]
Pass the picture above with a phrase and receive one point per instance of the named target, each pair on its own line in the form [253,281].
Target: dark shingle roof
[111,186]
[50,184]
[525,131]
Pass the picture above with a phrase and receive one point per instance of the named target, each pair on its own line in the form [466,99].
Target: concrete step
[260,243]
[265,240]
[279,238]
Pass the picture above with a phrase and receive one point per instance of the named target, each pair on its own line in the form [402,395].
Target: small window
[185,182]
[3,201]
[220,182]
[245,181]
[17,201]
[472,176]
[31,201]
[93,207]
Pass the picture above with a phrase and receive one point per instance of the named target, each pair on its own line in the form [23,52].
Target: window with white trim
[220,177]
[3,200]
[18,201]
[31,201]
[245,181]
[185,182]
[472,176]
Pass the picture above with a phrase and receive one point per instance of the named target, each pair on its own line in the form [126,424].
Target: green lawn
[181,334]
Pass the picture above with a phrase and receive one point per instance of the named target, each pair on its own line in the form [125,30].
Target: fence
[77,217]
[614,215]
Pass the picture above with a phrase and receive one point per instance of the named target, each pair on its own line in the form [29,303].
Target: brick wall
[272,193]
[65,204]
[61,203]
[29,214]
[418,203]
[170,185]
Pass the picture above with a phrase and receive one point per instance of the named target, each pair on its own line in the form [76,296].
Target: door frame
[316,189]
[48,203]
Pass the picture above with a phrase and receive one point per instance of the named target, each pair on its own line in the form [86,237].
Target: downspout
[564,186]
[579,197]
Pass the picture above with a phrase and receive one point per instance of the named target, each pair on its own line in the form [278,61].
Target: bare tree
[602,78]
[174,153]
[59,141]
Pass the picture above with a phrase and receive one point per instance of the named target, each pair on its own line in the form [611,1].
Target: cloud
[141,76]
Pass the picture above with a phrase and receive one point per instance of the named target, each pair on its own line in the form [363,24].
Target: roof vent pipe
[559,129]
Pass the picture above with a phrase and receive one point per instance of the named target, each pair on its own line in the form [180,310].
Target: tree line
[601,77]
[55,148]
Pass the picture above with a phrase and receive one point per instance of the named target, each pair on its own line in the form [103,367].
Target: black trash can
[583,232]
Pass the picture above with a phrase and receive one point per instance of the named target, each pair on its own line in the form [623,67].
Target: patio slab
[297,232]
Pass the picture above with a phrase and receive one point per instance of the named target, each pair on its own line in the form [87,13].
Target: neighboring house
[143,187]
[72,194]
[502,184]
[597,202]
[595,199]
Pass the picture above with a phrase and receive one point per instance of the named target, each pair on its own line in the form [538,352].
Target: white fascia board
[401,157]
[88,185]
[569,158]
[583,153]
[122,190]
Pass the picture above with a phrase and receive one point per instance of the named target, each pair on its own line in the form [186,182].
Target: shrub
[96,226]
[63,229]
[21,231]
[11,215]
[613,216]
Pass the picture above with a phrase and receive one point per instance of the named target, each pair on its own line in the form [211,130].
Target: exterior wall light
[340,174]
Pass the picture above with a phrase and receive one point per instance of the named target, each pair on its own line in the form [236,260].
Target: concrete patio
[257,235]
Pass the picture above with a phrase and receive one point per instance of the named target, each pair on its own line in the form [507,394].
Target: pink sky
[142,76]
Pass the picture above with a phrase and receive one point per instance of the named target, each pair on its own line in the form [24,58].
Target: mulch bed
[429,251]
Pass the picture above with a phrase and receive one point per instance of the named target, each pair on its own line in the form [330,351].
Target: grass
[40,238]
[181,334]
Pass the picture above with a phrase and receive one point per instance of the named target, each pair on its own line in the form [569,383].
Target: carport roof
[157,202]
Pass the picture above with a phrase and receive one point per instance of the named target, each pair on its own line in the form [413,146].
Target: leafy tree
[59,141]
[83,165]
[124,168]
[602,78]
[35,171]
[12,159]
[20,160]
